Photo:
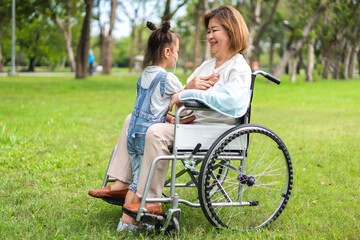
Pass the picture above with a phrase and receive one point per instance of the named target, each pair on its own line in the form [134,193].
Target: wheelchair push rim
[246,178]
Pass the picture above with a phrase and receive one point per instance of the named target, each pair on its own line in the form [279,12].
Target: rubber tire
[248,217]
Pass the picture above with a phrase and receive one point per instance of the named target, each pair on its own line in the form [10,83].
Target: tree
[84,42]
[63,13]
[1,57]
[108,41]
[168,13]
[199,12]
[32,43]
[358,57]
[327,35]
[38,47]
[354,52]
[139,8]
[343,18]
[311,60]
[5,18]
[260,10]
[339,43]
[294,47]
[121,52]
[349,44]
[105,39]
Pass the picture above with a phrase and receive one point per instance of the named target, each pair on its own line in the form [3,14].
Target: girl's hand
[170,118]
[203,83]
[174,100]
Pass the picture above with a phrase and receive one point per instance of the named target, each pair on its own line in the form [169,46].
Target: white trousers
[158,137]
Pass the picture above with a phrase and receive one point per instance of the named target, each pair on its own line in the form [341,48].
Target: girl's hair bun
[151,26]
[165,27]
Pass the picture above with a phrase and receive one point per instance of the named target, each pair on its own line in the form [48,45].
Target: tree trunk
[271,55]
[102,45]
[254,23]
[300,63]
[70,52]
[239,5]
[140,45]
[207,53]
[310,62]
[328,59]
[84,43]
[108,41]
[352,64]
[66,31]
[168,14]
[295,47]
[358,57]
[198,27]
[108,57]
[1,57]
[63,61]
[347,55]
[132,46]
[18,58]
[200,11]
[196,43]
[259,34]
[355,43]
[292,69]
[31,67]
[339,57]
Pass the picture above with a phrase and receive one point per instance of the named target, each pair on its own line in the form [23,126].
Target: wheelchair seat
[189,135]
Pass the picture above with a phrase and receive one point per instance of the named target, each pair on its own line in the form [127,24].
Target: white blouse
[236,69]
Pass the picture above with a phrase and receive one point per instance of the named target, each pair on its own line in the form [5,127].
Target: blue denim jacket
[142,117]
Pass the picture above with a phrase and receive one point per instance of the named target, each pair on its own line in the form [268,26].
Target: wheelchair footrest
[148,218]
[114,200]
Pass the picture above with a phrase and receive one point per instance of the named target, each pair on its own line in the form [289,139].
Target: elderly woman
[227,34]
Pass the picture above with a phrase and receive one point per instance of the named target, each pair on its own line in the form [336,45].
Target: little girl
[155,88]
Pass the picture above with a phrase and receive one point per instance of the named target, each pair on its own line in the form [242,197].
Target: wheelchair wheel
[246,178]
[174,229]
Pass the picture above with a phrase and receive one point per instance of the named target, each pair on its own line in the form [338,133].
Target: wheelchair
[243,174]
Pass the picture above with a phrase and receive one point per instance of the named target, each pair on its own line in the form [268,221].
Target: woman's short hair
[234,23]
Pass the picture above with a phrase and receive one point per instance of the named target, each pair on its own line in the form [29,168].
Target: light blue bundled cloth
[232,99]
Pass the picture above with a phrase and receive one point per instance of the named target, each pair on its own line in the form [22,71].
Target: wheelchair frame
[219,159]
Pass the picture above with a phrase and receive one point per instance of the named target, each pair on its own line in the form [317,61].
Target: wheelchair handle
[268,76]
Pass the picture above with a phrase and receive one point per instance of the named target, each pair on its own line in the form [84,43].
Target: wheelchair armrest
[195,104]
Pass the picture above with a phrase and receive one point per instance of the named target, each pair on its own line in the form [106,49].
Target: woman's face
[218,38]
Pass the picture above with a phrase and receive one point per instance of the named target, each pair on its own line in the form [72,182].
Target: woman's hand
[203,83]
[174,100]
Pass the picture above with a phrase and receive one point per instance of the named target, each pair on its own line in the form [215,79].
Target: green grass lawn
[57,134]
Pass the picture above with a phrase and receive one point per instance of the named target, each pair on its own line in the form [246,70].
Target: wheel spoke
[221,187]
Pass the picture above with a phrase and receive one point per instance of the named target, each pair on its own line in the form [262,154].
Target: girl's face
[218,38]
[175,52]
